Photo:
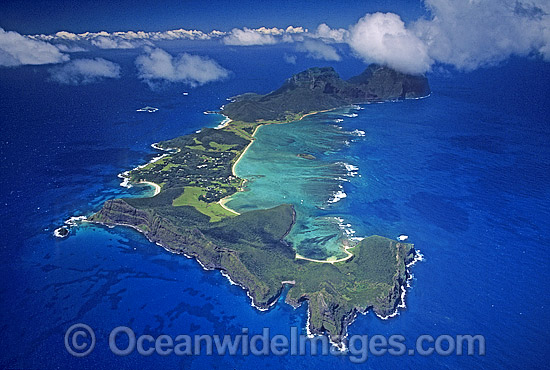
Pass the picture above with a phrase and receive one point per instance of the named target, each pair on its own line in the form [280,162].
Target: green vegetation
[199,167]
[186,215]
[169,166]
[192,197]
[251,249]
[194,167]
[318,89]
[220,147]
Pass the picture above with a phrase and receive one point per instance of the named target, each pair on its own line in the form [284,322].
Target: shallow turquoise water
[277,174]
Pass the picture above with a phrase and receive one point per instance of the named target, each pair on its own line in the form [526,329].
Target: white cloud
[112,40]
[269,31]
[470,34]
[104,42]
[194,70]
[128,35]
[319,50]
[331,35]
[66,35]
[290,58]
[178,34]
[466,34]
[182,34]
[292,29]
[290,38]
[16,49]
[382,38]
[263,35]
[247,37]
[85,71]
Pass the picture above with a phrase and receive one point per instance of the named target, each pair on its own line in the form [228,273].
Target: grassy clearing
[195,147]
[220,147]
[169,165]
[190,197]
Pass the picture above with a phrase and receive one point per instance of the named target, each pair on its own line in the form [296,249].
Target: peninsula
[187,215]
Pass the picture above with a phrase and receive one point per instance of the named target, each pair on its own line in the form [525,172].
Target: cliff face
[160,231]
[379,83]
[250,250]
[321,88]
[333,308]
[320,80]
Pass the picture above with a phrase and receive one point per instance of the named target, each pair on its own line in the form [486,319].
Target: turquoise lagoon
[300,163]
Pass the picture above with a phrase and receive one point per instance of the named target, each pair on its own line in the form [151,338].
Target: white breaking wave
[338,196]
[223,123]
[346,228]
[125,179]
[58,234]
[75,220]
[125,176]
[72,221]
[352,170]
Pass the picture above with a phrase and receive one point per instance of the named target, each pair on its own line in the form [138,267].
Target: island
[147,109]
[61,232]
[196,175]
[306,156]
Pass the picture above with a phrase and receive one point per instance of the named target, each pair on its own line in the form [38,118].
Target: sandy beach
[244,151]
[312,113]
[256,130]
[224,123]
[222,202]
[156,186]
[349,255]
[226,199]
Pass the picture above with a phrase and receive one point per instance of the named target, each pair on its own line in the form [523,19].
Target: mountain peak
[321,88]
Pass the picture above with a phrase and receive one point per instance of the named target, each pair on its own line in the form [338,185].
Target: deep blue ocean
[465,173]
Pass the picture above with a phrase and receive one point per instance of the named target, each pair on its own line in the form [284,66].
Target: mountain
[318,89]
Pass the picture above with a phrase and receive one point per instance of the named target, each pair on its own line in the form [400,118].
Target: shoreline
[418,257]
[346,250]
[246,149]
[223,123]
[222,271]
[150,183]
[226,199]
[264,124]
[127,183]
[343,259]
[222,202]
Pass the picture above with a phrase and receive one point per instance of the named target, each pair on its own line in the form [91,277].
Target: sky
[35,16]
[414,37]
